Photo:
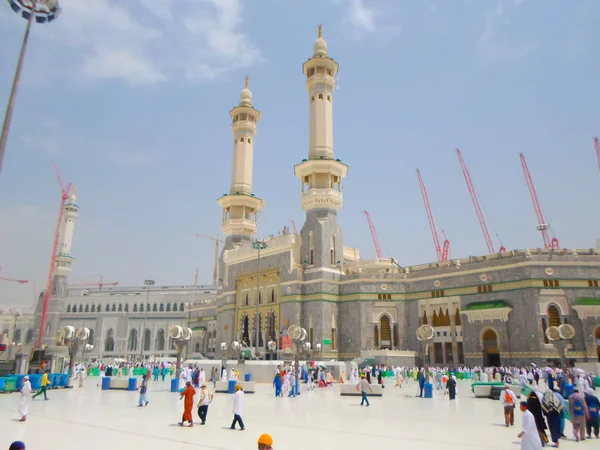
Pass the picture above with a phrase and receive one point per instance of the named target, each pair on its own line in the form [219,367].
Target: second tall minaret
[240,206]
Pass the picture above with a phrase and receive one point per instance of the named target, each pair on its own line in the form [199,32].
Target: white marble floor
[93,419]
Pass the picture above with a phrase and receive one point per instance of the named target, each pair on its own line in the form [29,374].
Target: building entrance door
[491,351]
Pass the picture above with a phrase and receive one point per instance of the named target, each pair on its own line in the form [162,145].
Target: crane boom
[294,227]
[374,236]
[14,280]
[473,192]
[442,255]
[216,262]
[64,197]
[542,225]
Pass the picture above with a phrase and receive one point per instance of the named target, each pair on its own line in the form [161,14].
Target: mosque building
[484,310]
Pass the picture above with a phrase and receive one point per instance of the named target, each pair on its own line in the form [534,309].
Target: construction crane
[543,227]
[218,242]
[442,253]
[374,236]
[65,195]
[13,279]
[294,227]
[100,283]
[597,145]
[473,192]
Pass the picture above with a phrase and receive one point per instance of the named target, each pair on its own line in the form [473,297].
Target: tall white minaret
[240,206]
[64,258]
[321,175]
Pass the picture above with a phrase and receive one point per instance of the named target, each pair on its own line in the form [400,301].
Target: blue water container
[105,383]
[174,384]
[132,384]
[246,377]
[428,390]
[231,387]
[1,384]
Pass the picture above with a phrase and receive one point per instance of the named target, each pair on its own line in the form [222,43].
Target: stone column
[453,335]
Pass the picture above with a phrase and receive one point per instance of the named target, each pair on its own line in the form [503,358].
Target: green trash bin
[125,371]
[597,381]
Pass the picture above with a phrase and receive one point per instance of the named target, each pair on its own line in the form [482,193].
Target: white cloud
[358,15]
[150,41]
[497,43]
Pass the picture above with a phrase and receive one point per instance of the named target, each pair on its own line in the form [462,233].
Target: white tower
[321,175]
[64,258]
[240,206]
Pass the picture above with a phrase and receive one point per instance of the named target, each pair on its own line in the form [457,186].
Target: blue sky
[131,99]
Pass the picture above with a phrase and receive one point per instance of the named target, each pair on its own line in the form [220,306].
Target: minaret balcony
[321,199]
[239,227]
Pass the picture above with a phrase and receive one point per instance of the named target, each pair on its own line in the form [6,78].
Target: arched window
[457,317]
[424,318]
[181,307]
[271,327]
[133,338]
[107,308]
[17,336]
[162,307]
[142,307]
[109,342]
[247,301]
[197,347]
[29,336]
[126,307]
[329,98]
[386,332]
[120,307]
[135,307]
[553,316]
[80,308]
[91,337]
[175,307]
[74,308]
[259,298]
[93,308]
[168,307]
[376,336]
[99,307]
[160,340]
[272,295]
[320,96]
[87,308]
[147,337]
[245,330]
[68,308]
[114,307]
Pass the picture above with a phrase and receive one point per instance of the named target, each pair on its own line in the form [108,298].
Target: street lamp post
[41,11]
[148,283]
[258,244]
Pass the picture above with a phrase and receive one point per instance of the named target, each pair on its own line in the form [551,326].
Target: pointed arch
[109,341]
[160,340]
[133,340]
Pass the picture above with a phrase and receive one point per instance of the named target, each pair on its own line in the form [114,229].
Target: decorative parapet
[275,244]
[490,311]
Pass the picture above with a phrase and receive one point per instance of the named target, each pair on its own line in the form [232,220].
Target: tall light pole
[258,244]
[148,283]
[41,11]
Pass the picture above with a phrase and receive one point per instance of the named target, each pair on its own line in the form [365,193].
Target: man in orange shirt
[188,403]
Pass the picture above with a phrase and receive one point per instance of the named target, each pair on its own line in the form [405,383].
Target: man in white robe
[530,438]
[224,374]
[24,402]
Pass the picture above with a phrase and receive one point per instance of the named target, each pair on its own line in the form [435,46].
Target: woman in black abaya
[535,406]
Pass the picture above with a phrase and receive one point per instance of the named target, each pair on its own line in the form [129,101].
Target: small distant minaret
[240,206]
[64,258]
[321,174]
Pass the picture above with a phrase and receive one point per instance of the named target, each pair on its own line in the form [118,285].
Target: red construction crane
[442,254]
[65,195]
[597,145]
[100,283]
[374,236]
[473,192]
[294,227]
[13,279]
[218,242]
[542,225]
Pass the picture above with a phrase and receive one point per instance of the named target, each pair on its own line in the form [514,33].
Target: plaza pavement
[92,419]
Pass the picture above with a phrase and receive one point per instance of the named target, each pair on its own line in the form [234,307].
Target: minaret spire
[240,206]
[63,258]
